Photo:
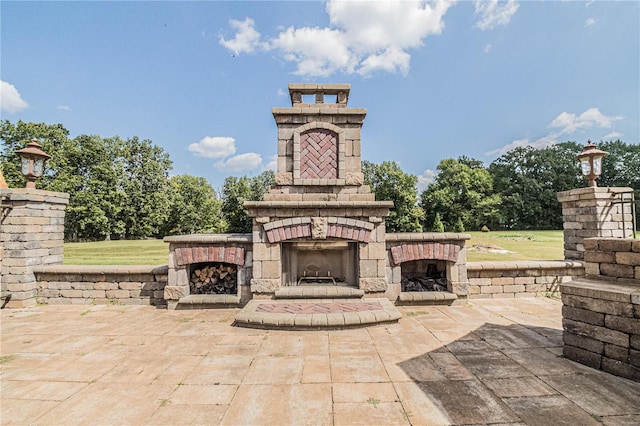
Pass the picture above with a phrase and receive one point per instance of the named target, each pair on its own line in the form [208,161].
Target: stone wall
[101,285]
[185,250]
[601,312]
[594,212]
[31,235]
[449,247]
[495,280]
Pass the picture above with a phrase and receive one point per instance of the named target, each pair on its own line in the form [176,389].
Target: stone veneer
[185,250]
[594,212]
[101,285]
[31,235]
[449,247]
[319,194]
[601,312]
[500,280]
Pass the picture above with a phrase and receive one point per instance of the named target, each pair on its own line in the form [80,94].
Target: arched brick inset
[319,154]
[189,255]
[427,251]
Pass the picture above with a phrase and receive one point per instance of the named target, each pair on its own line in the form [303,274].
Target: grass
[121,252]
[520,245]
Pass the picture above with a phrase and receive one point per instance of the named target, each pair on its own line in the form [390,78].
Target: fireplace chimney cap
[341,90]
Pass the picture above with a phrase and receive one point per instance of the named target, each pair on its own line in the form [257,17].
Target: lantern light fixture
[591,163]
[32,160]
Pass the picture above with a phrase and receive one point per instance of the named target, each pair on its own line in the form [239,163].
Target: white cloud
[425,179]
[567,123]
[240,163]
[10,99]
[612,136]
[488,48]
[247,39]
[589,22]
[63,107]
[214,147]
[363,37]
[592,117]
[541,143]
[493,13]
[272,164]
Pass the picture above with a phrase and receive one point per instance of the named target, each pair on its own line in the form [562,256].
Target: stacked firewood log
[214,279]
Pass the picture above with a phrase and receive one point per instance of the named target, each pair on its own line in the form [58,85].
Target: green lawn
[122,252]
[519,245]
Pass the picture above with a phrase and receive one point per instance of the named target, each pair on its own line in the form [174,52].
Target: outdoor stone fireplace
[320,225]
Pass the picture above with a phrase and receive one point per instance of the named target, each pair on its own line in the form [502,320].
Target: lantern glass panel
[24,165]
[38,167]
[597,165]
[585,166]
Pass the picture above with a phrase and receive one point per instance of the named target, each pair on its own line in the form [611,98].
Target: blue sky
[438,79]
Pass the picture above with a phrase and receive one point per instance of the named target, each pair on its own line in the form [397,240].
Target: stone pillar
[594,212]
[31,234]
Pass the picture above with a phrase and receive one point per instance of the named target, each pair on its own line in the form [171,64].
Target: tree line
[122,188]
[516,191]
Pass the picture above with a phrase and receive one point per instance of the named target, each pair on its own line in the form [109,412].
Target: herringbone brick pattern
[318,308]
[319,155]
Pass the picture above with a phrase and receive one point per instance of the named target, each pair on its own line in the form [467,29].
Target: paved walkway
[491,362]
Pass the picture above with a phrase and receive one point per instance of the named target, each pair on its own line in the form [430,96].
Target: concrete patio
[492,362]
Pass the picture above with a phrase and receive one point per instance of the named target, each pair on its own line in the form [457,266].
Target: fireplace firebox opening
[213,278]
[424,275]
[320,263]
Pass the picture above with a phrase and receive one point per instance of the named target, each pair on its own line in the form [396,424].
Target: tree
[461,197]
[238,190]
[621,167]
[194,207]
[52,137]
[389,183]
[145,183]
[529,179]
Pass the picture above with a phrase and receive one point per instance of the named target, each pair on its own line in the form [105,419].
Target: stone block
[616,352]
[583,357]
[598,305]
[616,270]
[263,285]
[583,342]
[583,315]
[71,293]
[271,269]
[123,294]
[634,341]
[171,292]
[599,256]
[596,332]
[634,357]
[491,289]
[514,288]
[127,285]
[614,244]
[624,324]
[92,294]
[628,258]
[372,285]
[621,369]
[503,281]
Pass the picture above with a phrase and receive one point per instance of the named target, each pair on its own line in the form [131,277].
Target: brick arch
[189,255]
[337,227]
[425,251]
